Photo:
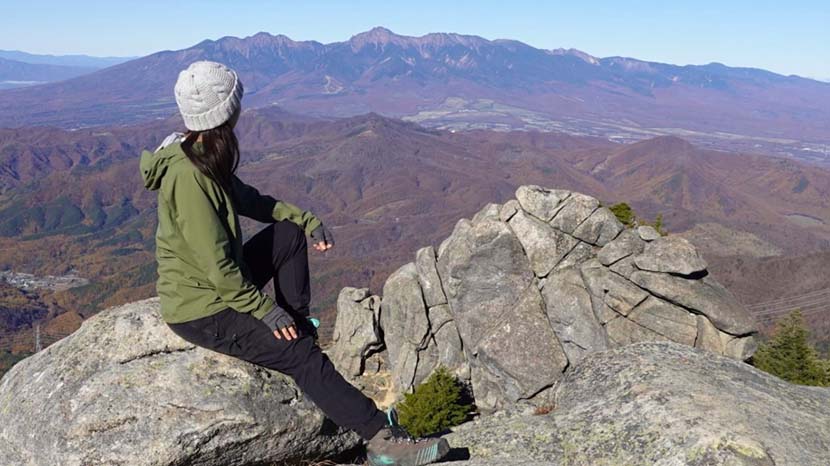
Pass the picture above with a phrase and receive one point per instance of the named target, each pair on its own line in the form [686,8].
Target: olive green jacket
[198,241]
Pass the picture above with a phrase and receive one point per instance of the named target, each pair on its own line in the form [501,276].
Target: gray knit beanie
[208,94]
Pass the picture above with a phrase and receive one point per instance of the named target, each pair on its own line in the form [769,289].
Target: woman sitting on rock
[210,284]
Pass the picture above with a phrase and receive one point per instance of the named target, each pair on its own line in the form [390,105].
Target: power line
[793,306]
[779,301]
[809,312]
[804,311]
[805,314]
[794,303]
[787,298]
[813,303]
[777,307]
[819,291]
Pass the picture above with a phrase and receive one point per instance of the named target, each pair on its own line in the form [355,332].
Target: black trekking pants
[280,252]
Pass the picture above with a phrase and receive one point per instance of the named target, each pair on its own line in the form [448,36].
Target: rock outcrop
[526,289]
[124,389]
[659,403]
[356,332]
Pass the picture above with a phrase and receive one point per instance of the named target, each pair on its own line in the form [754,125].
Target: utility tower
[37,338]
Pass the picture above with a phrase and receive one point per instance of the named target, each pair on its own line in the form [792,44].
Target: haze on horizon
[787,39]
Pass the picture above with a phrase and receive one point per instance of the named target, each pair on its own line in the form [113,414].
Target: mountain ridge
[395,75]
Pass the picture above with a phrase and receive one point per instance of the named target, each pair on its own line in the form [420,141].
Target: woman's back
[186,195]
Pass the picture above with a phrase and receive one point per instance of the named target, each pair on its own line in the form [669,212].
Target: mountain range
[383,186]
[460,81]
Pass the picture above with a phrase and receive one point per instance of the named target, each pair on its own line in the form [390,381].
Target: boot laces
[399,435]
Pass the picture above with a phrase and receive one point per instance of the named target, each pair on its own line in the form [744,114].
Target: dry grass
[542,410]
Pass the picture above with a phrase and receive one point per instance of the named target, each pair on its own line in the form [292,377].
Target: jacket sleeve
[199,221]
[266,209]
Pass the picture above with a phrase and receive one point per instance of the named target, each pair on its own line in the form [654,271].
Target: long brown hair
[219,156]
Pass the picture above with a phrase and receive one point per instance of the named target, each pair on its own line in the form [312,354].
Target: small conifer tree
[790,356]
[433,406]
[624,213]
[658,225]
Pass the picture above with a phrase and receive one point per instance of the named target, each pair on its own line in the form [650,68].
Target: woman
[210,284]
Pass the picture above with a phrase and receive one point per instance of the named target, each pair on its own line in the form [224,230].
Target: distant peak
[588,58]
[371,118]
[381,31]
[260,40]
[376,35]
[672,143]
[382,36]
[263,37]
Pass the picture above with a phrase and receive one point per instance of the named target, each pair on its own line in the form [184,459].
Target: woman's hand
[281,323]
[323,239]
[289,332]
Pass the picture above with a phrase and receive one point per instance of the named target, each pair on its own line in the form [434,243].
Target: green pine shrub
[658,225]
[624,213]
[789,355]
[433,406]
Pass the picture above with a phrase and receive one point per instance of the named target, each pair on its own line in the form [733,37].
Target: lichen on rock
[124,389]
[659,403]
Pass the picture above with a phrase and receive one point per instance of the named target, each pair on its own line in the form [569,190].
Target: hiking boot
[393,446]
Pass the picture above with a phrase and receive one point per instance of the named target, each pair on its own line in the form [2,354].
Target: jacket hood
[154,165]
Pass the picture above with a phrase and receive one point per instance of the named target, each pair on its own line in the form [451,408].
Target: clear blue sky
[790,37]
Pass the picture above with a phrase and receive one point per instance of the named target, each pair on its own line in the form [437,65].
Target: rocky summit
[125,390]
[582,341]
[524,290]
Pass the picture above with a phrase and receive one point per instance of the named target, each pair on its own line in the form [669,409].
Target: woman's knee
[286,231]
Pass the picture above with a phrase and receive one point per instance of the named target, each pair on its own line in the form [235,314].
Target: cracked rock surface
[125,390]
[557,277]
[659,404]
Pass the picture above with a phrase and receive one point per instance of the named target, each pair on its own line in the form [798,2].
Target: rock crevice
[558,275]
